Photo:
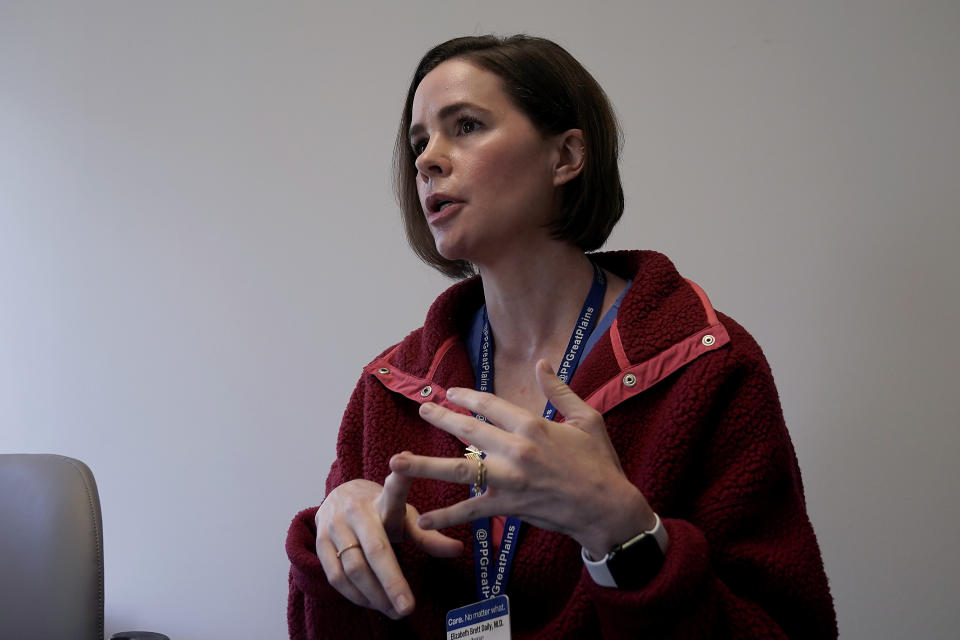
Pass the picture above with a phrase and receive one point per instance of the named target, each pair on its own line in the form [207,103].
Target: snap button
[383,371]
[427,390]
[708,340]
[629,380]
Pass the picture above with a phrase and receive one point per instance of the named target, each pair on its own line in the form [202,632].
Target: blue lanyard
[489,586]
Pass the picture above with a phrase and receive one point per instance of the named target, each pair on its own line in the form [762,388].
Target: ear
[570,156]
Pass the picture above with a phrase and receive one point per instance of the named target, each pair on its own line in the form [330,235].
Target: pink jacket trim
[417,389]
[442,351]
[622,360]
[634,379]
[705,301]
[640,377]
[631,380]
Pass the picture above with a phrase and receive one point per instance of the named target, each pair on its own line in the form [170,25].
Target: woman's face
[485,173]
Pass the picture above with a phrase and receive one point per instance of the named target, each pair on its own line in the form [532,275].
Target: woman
[657,495]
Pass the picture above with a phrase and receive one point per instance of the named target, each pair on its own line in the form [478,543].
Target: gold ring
[347,548]
[481,478]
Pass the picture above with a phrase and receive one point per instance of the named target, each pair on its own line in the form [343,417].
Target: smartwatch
[634,563]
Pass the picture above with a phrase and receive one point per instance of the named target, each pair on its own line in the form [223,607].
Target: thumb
[433,542]
[577,412]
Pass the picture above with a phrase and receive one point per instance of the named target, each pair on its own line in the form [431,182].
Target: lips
[438,202]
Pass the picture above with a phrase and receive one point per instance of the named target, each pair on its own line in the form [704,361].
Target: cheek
[489,173]
[421,194]
[504,173]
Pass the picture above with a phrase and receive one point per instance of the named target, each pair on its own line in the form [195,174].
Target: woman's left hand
[560,476]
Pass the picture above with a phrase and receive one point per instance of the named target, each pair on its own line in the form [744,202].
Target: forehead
[457,81]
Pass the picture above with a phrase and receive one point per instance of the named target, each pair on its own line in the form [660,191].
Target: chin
[448,247]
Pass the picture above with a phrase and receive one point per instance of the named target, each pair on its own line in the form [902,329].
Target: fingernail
[426,408]
[399,463]
[452,392]
[425,522]
[402,604]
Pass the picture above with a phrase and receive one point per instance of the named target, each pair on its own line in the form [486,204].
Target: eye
[466,126]
[418,147]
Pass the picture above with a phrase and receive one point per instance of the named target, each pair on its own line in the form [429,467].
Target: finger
[435,543]
[348,573]
[459,470]
[382,560]
[372,568]
[467,428]
[574,409]
[392,502]
[335,574]
[432,542]
[500,412]
[460,512]
[578,413]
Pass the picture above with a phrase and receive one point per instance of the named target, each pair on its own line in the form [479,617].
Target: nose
[434,161]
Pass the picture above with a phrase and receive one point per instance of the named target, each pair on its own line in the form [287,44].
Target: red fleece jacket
[700,432]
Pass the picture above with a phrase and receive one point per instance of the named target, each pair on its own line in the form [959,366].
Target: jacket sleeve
[743,560]
[314,607]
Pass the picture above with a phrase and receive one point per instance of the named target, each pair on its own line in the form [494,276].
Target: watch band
[632,564]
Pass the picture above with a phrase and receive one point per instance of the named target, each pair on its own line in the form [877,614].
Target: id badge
[484,620]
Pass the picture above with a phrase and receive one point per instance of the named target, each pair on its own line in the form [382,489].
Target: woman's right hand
[361,520]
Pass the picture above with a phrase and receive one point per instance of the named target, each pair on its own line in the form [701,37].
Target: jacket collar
[664,322]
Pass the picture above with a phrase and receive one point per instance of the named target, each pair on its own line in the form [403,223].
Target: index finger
[469,429]
[392,502]
[503,413]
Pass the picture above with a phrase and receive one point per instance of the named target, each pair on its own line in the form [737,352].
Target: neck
[534,298]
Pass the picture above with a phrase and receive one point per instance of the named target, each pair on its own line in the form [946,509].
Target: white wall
[199,250]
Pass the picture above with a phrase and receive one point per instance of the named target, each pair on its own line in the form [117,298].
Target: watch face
[636,563]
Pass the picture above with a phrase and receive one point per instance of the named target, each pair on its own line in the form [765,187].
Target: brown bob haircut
[556,93]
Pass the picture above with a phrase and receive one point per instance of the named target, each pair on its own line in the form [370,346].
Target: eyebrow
[445,113]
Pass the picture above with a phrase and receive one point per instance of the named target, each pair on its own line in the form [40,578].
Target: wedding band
[481,478]
[347,548]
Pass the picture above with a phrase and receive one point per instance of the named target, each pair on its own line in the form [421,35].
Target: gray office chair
[51,551]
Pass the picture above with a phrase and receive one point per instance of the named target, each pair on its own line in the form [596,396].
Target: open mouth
[440,201]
